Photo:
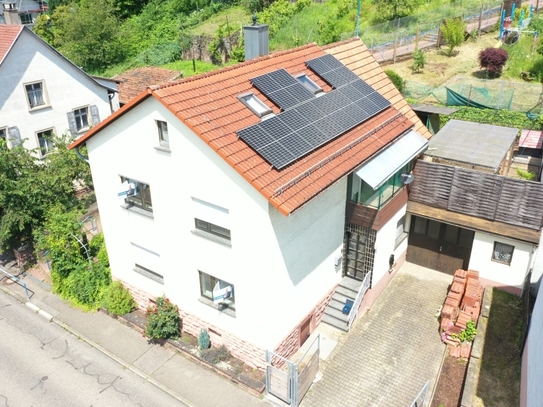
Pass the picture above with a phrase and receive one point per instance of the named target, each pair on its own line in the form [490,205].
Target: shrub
[419,60]
[117,299]
[468,334]
[527,175]
[453,31]
[215,355]
[396,79]
[493,60]
[162,320]
[203,339]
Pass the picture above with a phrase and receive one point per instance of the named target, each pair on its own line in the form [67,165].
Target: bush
[215,355]
[396,79]
[493,60]
[117,299]
[162,320]
[453,31]
[203,339]
[419,60]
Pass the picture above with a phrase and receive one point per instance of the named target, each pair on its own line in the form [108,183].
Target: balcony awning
[383,166]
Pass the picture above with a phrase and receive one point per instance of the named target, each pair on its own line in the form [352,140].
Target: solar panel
[282,88]
[308,122]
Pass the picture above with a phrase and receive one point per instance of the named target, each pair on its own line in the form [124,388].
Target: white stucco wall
[280,266]
[509,275]
[66,87]
[384,244]
[533,359]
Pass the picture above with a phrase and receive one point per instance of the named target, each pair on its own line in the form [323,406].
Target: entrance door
[359,252]
[439,246]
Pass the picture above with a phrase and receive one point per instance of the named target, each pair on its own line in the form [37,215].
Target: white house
[227,192]
[43,93]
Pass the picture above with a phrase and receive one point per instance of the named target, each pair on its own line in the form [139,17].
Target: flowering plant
[162,320]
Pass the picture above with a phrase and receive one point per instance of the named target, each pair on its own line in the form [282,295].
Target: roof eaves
[103,124]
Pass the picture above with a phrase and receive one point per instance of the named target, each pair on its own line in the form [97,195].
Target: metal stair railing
[359,297]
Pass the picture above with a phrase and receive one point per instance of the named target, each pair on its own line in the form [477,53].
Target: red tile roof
[135,81]
[8,35]
[208,104]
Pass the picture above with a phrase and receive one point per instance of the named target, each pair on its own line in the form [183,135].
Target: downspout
[81,156]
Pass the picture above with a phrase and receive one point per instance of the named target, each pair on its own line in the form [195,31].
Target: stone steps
[333,315]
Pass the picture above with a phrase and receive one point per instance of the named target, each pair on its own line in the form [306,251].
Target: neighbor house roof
[8,36]
[135,81]
[531,139]
[208,104]
[478,144]
[492,197]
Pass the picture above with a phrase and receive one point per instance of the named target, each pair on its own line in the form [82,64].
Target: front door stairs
[333,315]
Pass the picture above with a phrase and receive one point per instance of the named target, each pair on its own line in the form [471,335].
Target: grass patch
[235,17]
[499,381]
[188,68]
[523,58]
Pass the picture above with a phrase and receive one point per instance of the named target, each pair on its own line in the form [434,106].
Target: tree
[396,79]
[28,189]
[419,60]
[493,60]
[392,9]
[453,31]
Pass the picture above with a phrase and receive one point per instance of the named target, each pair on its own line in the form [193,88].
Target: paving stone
[390,352]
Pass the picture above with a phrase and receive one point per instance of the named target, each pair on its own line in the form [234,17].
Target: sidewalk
[181,378]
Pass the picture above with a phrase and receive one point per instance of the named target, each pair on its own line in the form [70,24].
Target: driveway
[391,351]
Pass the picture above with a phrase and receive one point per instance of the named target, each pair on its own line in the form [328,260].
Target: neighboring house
[21,11]
[229,191]
[464,214]
[135,81]
[43,93]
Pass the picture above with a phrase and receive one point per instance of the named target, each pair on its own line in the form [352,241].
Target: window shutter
[14,136]
[71,123]
[95,115]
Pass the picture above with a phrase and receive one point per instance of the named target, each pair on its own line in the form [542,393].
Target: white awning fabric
[380,168]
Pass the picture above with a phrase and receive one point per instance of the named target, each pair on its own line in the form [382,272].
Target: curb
[112,356]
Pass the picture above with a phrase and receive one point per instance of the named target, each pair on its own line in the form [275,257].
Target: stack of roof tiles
[463,303]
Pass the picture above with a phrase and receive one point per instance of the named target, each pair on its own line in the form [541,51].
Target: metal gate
[290,381]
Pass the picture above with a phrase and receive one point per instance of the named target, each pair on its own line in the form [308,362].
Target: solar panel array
[282,88]
[308,122]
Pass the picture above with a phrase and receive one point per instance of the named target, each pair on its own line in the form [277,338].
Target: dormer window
[255,104]
[308,83]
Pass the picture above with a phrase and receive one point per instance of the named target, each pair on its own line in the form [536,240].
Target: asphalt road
[42,365]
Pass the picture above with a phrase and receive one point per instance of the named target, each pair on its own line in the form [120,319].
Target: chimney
[256,40]
[11,14]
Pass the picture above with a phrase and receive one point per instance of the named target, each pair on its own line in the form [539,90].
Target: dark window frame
[496,253]
[212,228]
[139,197]
[230,304]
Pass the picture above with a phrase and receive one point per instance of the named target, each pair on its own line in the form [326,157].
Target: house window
[81,117]
[503,253]
[4,134]
[136,193]
[211,228]
[35,94]
[147,263]
[308,83]
[45,141]
[254,104]
[163,137]
[26,18]
[401,233]
[220,292]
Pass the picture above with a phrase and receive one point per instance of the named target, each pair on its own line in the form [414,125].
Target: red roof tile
[8,35]
[213,96]
[135,81]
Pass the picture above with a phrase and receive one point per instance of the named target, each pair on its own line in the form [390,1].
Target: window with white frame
[45,141]
[147,263]
[219,291]
[35,93]
[401,232]
[254,104]
[503,253]
[81,117]
[163,138]
[212,220]
[308,83]
[135,193]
